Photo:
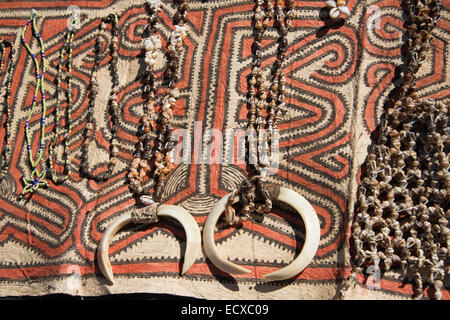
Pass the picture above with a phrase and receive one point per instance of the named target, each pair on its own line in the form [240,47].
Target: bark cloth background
[339,80]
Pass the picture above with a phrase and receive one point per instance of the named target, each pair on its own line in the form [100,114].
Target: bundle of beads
[2,53]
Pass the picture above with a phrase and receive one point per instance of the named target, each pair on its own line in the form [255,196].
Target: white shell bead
[345,11]
[157,42]
[148,45]
[149,61]
[334,13]
[331,3]
[175,93]
[155,4]
[147,200]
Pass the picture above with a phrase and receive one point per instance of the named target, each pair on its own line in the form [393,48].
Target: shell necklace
[66,48]
[141,176]
[112,102]
[255,195]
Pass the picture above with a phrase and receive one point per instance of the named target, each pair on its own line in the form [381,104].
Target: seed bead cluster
[66,48]
[263,131]
[37,179]
[140,168]
[5,161]
[112,103]
[403,202]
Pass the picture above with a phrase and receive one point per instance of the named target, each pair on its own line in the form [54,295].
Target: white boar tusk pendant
[288,196]
[193,237]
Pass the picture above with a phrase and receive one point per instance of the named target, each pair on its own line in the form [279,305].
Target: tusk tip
[274,277]
[107,272]
[110,277]
[184,270]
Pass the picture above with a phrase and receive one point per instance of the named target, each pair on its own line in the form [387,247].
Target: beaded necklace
[140,166]
[37,179]
[89,131]
[7,148]
[66,48]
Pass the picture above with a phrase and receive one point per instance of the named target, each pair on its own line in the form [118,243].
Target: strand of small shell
[60,178]
[263,13]
[112,102]
[165,143]
[140,166]
[263,95]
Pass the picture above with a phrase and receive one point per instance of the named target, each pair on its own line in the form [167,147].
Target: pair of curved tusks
[288,196]
[193,237]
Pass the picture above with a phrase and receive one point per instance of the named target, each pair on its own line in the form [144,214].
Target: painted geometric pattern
[339,79]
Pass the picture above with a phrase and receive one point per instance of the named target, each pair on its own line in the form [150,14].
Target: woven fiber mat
[339,80]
